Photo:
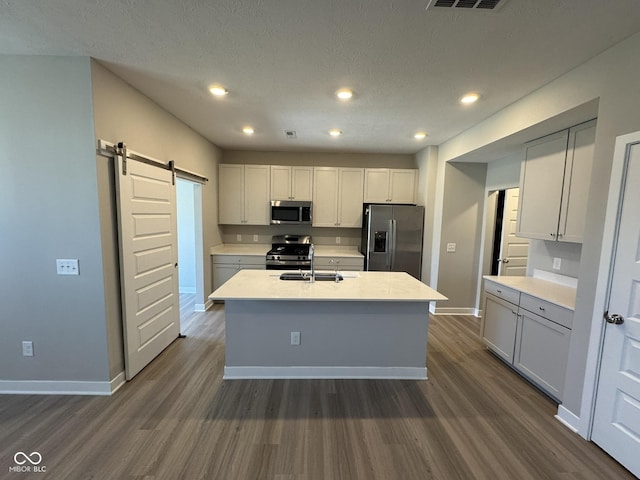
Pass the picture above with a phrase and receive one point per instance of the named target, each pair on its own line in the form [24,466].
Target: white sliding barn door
[616,425]
[148,261]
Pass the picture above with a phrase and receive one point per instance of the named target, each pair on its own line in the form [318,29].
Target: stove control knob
[278,257]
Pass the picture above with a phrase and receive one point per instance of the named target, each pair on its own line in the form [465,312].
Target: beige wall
[124,114]
[374,160]
[462,215]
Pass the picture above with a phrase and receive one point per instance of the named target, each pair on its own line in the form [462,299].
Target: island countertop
[356,286]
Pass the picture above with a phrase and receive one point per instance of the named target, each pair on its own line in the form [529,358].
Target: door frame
[603,283]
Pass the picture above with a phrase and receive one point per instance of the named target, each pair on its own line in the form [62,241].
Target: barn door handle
[614,318]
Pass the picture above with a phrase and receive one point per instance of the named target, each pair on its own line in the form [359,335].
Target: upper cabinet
[390,185]
[243,194]
[291,183]
[337,197]
[554,185]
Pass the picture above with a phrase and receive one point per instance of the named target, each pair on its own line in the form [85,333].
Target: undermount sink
[319,276]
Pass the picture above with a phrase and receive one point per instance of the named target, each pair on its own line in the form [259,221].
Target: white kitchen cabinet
[554,185]
[291,183]
[339,263]
[541,353]
[528,333]
[390,185]
[243,194]
[226,266]
[337,197]
[499,324]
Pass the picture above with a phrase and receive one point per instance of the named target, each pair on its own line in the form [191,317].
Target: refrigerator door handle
[393,243]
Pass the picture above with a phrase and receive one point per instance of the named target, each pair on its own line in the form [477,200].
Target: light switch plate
[451,247]
[67,266]
[557,262]
[27,348]
[255,238]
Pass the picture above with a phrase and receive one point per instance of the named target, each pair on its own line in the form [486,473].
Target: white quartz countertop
[356,286]
[555,293]
[262,249]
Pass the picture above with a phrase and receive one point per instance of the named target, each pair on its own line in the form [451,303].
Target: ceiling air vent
[466,4]
[291,134]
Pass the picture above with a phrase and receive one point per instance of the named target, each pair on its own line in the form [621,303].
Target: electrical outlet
[337,240]
[556,263]
[295,338]
[238,238]
[67,266]
[451,247]
[27,348]
[255,238]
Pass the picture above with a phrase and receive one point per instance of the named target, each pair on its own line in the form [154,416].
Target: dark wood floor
[473,419]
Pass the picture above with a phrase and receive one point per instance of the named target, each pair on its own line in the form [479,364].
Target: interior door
[148,261]
[617,415]
[514,251]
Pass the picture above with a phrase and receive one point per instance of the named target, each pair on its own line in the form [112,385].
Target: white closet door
[148,261]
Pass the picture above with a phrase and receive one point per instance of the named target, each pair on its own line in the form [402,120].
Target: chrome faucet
[312,276]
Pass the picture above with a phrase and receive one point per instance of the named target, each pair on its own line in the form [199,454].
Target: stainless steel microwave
[287,212]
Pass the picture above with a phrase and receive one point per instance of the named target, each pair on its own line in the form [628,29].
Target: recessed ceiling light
[218,90]
[334,132]
[247,130]
[419,135]
[344,94]
[469,98]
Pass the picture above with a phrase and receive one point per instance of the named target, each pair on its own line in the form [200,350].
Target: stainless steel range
[289,252]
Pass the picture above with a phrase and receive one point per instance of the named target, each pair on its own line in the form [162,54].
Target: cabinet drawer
[340,263]
[508,294]
[240,259]
[560,315]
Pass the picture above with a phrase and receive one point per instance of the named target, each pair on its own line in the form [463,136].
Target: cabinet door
[351,194]
[223,272]
[403,185]
[302,183]
[280,183]
[541,181]
[498,329]
[231,194]
[325,197]
[376,185]
[542,347]
[256,195]
[577,176]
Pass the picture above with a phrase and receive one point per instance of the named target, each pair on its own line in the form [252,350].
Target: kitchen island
[369,325]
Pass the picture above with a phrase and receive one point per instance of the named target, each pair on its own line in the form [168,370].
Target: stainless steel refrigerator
[392,238]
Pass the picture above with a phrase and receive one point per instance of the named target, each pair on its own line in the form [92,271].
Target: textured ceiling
[282,60]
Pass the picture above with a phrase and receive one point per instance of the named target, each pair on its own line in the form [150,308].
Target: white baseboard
[54,387]
[391,373]
[118,381]
[568,419]
[203,307]
[455,311]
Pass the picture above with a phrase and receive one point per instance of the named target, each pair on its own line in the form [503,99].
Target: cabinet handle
[541,308]
[500,291]
[552,234]
[514,313]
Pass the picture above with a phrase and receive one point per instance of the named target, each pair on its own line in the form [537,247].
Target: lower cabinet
[534,345]
[339,263]
[226,266]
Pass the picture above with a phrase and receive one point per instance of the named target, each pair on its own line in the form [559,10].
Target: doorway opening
[505,253]
[190,252]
